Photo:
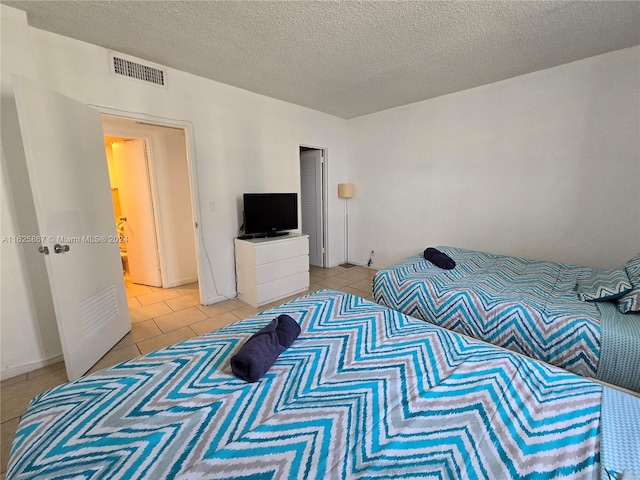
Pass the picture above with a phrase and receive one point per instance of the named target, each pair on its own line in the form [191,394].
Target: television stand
[268,269]
[276,234]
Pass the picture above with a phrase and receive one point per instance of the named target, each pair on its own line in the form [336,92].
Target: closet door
[311,169]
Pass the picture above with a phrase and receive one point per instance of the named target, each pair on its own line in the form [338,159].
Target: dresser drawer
[283,268]
[281,249]
[282,287]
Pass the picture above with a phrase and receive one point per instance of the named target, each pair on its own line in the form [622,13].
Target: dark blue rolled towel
[287,330]
[261,350]
[438,258]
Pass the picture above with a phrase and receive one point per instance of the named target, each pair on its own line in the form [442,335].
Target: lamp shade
[346,190]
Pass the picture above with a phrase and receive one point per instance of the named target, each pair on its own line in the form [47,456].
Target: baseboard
[338,264]
[219,298]
[29,367]
[179,283]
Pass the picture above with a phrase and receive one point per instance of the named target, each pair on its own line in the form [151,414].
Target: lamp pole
[346,191]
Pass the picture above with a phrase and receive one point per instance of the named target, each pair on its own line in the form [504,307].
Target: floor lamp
[346,191]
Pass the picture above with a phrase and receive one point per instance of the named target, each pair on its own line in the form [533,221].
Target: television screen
[270,213]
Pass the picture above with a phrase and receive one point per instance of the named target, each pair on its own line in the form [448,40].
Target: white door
[68,173]
[311,163]
[131,166]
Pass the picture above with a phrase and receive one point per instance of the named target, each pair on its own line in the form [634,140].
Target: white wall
[545,165]
[29,334]
[241,142]
[175,222]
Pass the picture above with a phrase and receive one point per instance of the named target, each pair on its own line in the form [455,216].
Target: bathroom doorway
[133,207]
[151,194]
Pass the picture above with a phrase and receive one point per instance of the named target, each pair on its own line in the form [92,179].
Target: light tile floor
[160,317]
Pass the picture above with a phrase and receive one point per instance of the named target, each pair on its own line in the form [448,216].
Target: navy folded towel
[261,350]
[438,258]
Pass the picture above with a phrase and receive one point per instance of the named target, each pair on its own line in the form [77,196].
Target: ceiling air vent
[120,65]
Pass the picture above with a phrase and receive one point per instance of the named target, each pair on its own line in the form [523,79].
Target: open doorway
[313,201]
[150,187]
[128,163]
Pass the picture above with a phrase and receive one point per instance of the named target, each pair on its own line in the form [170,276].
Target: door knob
[57,248]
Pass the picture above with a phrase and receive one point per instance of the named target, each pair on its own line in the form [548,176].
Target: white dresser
[268,269]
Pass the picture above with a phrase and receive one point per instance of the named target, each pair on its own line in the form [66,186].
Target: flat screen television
[270,214]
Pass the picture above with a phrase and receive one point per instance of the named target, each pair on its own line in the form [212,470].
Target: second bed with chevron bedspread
[364,392]
[529,306]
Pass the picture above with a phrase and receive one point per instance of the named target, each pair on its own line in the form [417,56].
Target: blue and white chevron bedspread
[364,392]
[528,306]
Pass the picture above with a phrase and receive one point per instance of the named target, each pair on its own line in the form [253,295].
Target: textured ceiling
[348,58]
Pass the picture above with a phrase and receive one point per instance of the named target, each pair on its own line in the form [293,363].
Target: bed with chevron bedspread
[528,306]
[363,392]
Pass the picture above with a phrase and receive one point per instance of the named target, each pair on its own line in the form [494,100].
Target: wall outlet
[212,206]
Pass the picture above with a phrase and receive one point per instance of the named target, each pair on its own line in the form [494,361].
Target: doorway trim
[187,128]
[323,194]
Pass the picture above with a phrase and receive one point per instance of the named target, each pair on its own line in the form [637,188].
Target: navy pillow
[438,258]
